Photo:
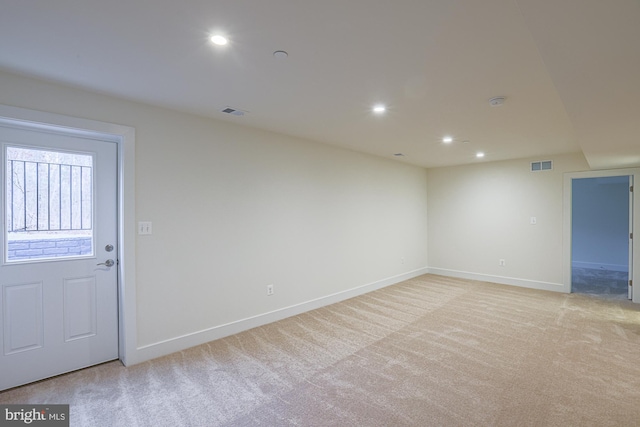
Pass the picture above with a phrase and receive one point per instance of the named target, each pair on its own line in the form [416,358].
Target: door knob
[108,263]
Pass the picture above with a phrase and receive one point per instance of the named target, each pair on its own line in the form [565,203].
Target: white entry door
[58,273]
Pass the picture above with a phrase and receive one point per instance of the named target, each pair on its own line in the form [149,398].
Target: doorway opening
[600,233]
[599,217]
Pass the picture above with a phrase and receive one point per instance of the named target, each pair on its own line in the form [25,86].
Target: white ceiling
[569,69]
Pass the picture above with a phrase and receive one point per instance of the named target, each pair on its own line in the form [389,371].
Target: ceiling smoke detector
[280,54]
[496,101]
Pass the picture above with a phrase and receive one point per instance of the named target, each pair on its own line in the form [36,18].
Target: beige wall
[479,214]
[235,209]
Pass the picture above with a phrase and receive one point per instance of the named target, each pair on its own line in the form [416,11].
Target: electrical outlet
[269,290]
[533,220]
[501,263]
[402,260]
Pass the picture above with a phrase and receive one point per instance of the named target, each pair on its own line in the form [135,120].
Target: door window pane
[49,204]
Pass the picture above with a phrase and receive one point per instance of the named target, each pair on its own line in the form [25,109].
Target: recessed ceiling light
[280,54]
[379,109]
[479,154]
[398,154]
[219,40]
[447,139]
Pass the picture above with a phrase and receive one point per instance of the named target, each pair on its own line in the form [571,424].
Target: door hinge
[631,235]
[630,282]
[631,189]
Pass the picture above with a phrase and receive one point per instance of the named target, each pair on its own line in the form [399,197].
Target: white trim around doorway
[124,136]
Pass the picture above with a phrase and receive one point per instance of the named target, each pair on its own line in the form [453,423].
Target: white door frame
[567,226]
[124,136]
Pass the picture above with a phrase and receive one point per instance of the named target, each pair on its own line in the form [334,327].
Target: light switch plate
[144,227]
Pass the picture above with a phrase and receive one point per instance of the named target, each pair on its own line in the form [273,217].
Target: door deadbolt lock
[108,248]
[108,263]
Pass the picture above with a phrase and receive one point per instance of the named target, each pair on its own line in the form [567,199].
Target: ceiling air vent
[233,111]
[543,165]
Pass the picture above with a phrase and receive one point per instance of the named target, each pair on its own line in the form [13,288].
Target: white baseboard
[523,283]
[183,342]
[599,266]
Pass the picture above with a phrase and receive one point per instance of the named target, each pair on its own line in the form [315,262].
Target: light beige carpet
[432,351]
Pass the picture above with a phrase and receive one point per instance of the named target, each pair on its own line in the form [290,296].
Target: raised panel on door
[22,317]
[80,306]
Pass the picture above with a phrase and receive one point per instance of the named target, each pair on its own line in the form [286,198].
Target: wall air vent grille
[233,111]
[543,165]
